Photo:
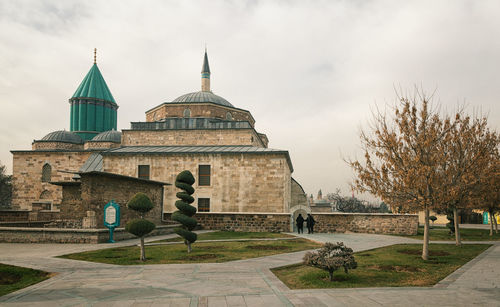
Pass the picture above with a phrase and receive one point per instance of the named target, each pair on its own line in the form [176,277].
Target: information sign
[111,218]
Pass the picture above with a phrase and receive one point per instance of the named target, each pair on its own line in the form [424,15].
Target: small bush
[140,202]
[331,257]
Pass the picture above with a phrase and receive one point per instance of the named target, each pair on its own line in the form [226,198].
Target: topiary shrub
[433,218]
[184,181]
[331,257]
[141,203]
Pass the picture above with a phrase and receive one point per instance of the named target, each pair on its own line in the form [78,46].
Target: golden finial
[95,55]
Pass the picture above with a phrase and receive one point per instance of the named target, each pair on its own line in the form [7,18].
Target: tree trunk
[143,253]
[496,224]
[331,275]
[425,249]
[189,246]
[491,223]
[458,241]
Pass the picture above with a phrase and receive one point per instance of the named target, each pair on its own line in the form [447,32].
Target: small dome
[63,136]
[202,96]
[108,136]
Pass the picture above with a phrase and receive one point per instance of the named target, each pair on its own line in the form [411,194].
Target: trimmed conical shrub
[184,215]
[141,203]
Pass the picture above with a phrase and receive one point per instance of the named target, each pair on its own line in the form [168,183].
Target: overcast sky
[308,71]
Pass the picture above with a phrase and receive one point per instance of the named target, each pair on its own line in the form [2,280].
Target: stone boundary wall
[381,223]
[28,215]
[60,235]
[251,222]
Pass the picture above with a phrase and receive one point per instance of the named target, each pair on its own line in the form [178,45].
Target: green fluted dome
[94,86]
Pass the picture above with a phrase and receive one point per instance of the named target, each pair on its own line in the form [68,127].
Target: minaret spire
[205,74]
[95,55]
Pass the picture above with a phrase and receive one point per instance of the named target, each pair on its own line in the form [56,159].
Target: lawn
[202,252]
[13,278]
[232,235]
[441,233]
[392,266]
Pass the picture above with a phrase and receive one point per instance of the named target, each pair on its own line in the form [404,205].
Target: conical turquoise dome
[93,108]
[94,86]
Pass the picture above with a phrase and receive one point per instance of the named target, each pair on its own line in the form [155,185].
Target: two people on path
[309,223]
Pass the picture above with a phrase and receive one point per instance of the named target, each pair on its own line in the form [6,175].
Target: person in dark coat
[300,223]
[310,223]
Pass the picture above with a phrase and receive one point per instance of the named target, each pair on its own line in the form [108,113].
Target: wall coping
[313,213]
[237,213]
[69,230]
[361,213]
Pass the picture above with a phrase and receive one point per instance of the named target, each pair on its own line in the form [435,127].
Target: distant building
[321,205]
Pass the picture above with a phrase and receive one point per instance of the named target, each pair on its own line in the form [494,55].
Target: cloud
[308,71]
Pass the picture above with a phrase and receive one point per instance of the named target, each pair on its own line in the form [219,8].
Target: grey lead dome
[108,136]
[202,96]
[63,136]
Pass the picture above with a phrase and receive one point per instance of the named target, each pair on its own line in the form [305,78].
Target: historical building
[235,170]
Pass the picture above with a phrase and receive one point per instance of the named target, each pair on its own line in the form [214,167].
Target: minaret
[93,108]
[205,74]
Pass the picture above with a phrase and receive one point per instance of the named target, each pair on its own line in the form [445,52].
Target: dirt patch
[214,247]
[267,247]
[200,257]
[419,252]
[396,268]
[364,255]
[7,278]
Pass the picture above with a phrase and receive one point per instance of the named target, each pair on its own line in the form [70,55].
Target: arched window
[46,194]
[229,116]
[46,172]
[187,113]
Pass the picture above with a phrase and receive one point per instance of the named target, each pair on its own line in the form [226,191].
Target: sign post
[111,218]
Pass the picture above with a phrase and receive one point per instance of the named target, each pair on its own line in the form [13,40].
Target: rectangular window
[204,175]
[203,204]
[143,172]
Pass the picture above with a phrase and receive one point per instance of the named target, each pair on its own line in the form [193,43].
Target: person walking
[310,223]
[300,223]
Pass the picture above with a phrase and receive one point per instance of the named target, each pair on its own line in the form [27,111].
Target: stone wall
[298,196]
[96,190]
[57,235]
[100,145]
[251,222]
[191,137]
[239,182]
[44,145]
[382,223]
[209,110]
[27,175]
[399,224]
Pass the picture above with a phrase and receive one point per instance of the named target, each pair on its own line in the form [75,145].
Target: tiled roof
[94,86]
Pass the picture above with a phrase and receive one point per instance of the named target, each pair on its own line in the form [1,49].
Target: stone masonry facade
[96,190]
[198,110]
[27,173]
[241,137]
[238,183]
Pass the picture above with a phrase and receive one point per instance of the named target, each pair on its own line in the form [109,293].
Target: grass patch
[441,233]
[392,266]
[202,252]
[232,235]
[13,278]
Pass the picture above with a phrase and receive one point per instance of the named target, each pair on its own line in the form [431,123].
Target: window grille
[187,113]
[46,172]
[203,204]
[143,172]
[204,175]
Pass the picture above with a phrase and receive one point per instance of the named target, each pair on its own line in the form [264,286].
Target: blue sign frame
[111,218]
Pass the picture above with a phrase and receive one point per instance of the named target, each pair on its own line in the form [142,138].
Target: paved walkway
[238,283]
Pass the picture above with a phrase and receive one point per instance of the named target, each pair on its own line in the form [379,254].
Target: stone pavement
[237,283]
